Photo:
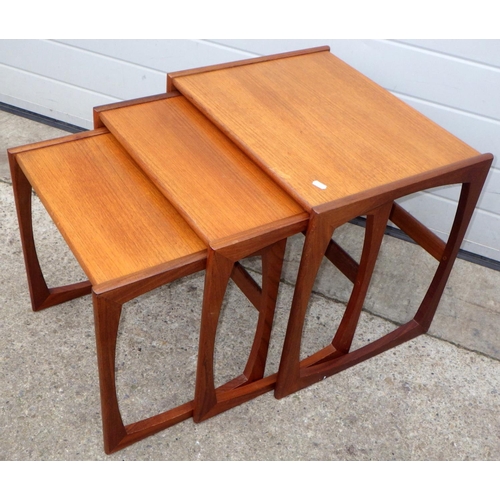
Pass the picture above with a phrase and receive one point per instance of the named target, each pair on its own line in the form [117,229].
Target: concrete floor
[434,398]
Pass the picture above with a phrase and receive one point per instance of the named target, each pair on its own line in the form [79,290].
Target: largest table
[343,147]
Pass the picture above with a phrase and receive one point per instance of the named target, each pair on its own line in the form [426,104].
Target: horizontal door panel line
[229,47]
[479,116]
[451,203]
[58,82]
[107,57]
[439,53]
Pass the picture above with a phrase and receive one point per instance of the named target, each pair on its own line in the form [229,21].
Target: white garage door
[454,82]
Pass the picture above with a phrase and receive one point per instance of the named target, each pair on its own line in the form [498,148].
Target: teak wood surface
[311,117]
[211,181]
[112,216]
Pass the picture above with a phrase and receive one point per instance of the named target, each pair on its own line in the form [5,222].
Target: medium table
[232,204]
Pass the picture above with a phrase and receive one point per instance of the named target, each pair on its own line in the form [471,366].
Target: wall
[454,82]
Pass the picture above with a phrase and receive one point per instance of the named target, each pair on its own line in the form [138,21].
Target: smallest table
[126,236]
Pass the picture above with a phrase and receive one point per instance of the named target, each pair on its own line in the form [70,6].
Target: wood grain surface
[215,186]
[113,218]
[319,127]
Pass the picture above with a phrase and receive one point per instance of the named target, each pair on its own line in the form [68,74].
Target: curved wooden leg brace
[210,401]
[291,376]
[107,311]
[294,374]
[41,296]
[117,435]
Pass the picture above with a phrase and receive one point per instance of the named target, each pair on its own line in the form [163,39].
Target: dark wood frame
[379,206]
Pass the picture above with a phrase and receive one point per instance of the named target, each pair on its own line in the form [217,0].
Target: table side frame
[379,205]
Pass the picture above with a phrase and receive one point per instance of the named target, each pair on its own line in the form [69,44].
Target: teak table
[228,164]
[343,147]
[232,204]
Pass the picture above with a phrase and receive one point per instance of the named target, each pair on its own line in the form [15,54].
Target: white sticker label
[319,184]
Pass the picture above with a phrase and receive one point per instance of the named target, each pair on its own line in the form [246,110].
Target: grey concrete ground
[434,398]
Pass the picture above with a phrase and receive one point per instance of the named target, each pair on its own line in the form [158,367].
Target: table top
[320,128]
[245,150]
[111,215]
[213,184]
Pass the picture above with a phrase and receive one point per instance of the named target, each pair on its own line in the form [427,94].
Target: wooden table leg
[117,435]
[41,295]
[375,227]
[468,199]
[210,401]
[107,318]
[318,236]
[290,378]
